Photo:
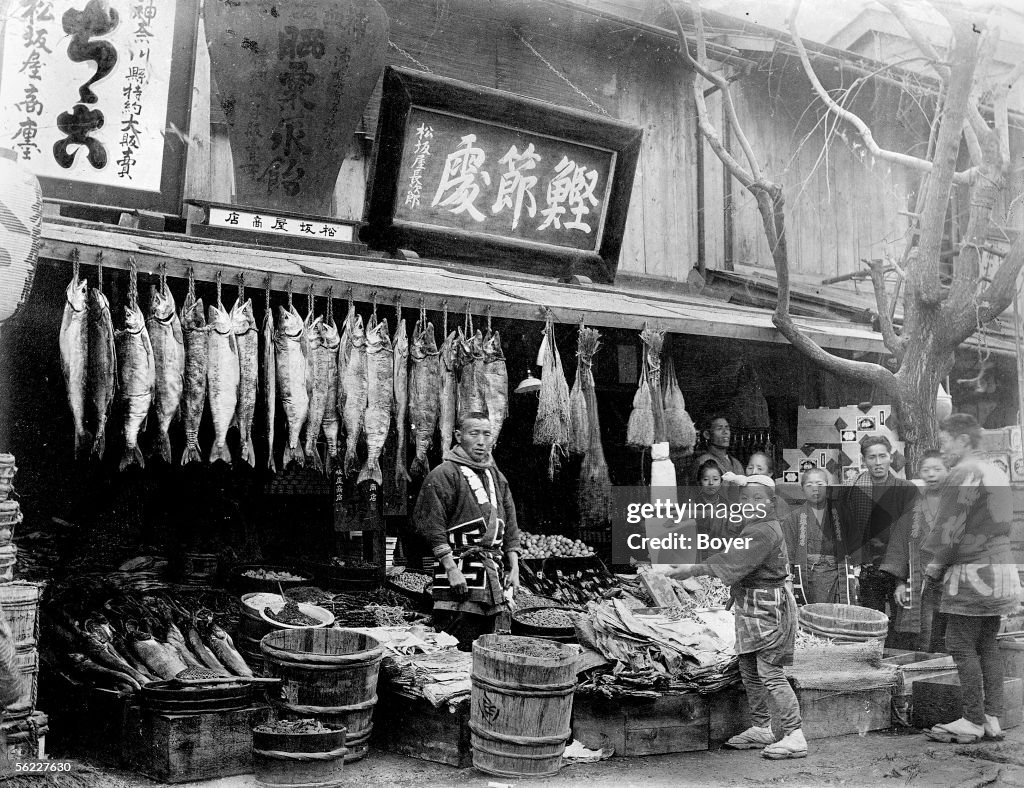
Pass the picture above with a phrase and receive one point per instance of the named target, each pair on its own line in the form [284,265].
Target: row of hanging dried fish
[329,385]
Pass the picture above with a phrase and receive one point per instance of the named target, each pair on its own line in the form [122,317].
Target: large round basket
[522,624]
[850,622]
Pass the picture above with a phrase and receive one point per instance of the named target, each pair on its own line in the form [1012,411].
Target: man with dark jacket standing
[868,510]
[466,514]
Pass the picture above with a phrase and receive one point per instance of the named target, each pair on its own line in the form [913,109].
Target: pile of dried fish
[308,725]
[126,639]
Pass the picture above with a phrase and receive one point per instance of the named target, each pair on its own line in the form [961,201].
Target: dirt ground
[876,759]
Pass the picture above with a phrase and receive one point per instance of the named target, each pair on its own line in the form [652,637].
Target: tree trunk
[926,362]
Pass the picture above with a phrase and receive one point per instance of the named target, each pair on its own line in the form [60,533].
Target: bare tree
[939,313]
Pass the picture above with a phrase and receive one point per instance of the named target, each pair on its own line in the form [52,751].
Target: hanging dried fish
[595,488]
[681,432]
[400,405]
[494,380]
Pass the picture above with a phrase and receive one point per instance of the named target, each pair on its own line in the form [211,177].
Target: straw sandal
[962,731]
[753,737]
[792,745]
[993,732]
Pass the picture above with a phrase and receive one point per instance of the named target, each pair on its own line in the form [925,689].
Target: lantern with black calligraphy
[293,80]
[21,220]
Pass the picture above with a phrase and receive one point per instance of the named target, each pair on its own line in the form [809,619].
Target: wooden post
[1018,335]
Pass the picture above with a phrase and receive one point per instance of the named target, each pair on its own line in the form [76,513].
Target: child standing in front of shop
[710,495]
[766,620]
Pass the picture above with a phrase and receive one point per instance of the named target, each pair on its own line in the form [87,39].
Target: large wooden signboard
[471,173]
[95,97]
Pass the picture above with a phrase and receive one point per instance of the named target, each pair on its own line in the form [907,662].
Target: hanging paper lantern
[21,221]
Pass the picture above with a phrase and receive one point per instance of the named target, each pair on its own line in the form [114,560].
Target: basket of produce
[550,623]
[536,546]
[849,622]
[251,578]
[295,615]
[347,574]
[415,586]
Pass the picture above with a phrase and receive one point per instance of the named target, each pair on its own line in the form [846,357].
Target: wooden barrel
[309,760]
[328,674]
[521,705]
[854,621]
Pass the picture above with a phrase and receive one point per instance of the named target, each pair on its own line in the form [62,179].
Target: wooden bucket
[309,760]
[19,602]
[1012,650]
[521,705]
[329,674]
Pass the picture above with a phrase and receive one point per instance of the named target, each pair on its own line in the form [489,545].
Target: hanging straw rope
[289,295]
[241,287]
[398,310]
[163,278]
[219,277]
[467,323]
[423,312]
[75,263]
[133,283]
[373,299]
[444,318]
[310,302]
[191,282]
[488,318]
[99,269]
[266,293]
[330,305]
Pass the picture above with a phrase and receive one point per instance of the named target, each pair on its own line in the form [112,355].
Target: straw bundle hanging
[552,425]
[640,430]
[681,432]
[579,424]
[594,494]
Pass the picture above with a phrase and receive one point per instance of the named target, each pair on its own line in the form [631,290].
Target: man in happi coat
[814,541]
[466,514]
[766,619]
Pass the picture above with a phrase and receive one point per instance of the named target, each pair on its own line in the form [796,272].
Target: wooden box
[1013,657]
[825,713]
[178,748]
[413,727]
[939,700]
[642,726]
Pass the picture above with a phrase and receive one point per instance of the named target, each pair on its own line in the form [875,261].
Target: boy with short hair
[815,542]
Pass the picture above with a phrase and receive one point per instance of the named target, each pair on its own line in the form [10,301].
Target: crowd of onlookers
[934,554]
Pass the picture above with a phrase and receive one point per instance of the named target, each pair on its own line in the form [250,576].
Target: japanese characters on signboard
[88,96]
[469,173]
[490,179]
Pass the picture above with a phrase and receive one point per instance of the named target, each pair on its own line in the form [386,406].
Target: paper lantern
[293,80]
[21,222]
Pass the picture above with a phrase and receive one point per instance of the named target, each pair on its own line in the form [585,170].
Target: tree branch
[998,296]
[903,159]
[892,340]
[918,37]
[947,148]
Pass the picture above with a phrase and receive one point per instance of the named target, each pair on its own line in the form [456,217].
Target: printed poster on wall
[94,97]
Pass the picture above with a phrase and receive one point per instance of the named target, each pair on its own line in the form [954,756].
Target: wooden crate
[825,713]
[939,700]
[642,726]
[413,727]
[178,748]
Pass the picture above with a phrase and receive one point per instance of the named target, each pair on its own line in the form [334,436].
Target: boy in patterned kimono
[766,620]
[466,514]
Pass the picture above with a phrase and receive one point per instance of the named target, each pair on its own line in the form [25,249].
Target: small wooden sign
[471,173]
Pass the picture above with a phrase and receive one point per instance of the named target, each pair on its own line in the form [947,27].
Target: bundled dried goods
[411,581]
[679,428]
[165,334]
[595,486]
[579,420]
[552,425]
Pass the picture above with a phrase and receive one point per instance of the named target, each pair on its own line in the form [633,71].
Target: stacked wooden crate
[829,438]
